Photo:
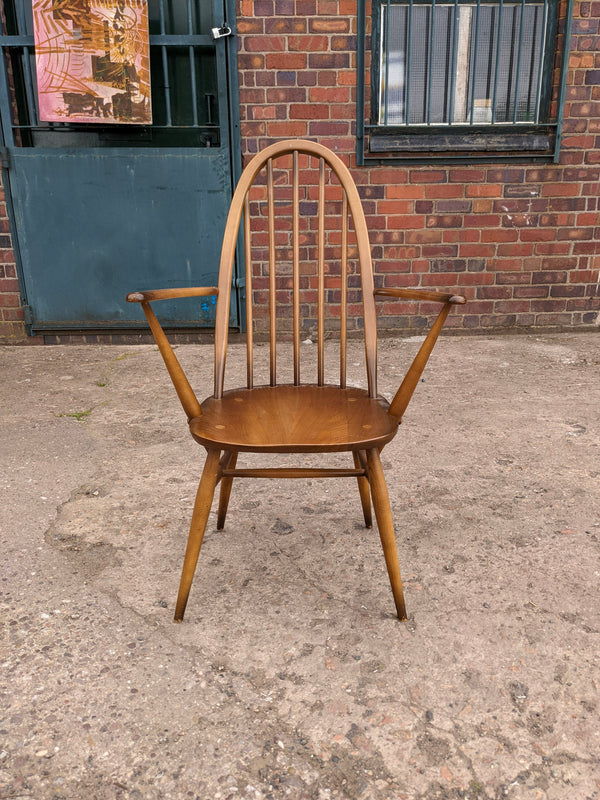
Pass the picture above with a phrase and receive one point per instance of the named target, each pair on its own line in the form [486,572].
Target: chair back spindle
[249,317]
[344,295]
[272,282]
[321,276]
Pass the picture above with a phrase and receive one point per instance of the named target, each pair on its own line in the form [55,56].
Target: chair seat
[294,419]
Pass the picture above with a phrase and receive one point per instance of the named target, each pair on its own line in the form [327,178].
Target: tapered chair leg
[225,492]
[363,488]
[385,523]
[204,498]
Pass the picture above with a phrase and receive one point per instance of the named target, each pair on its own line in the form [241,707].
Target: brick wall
[520,241]
[12,328]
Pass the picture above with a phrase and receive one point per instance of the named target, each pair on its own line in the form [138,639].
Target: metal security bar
[461,63]
[185,92]
[460,80]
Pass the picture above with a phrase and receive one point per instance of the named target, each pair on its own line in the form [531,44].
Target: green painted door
[100,210]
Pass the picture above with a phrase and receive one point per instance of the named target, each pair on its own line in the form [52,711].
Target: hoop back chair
[305,251]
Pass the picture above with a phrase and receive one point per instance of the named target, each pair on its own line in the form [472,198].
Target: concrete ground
[291,676]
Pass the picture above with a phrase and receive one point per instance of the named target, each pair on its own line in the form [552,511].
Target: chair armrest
[403,395]
[421,294]
[170,294]
[186,395]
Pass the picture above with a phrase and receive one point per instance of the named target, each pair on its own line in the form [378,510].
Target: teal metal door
[101,210]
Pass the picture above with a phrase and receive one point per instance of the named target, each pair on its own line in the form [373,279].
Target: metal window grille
[461,64]
[461,80]
[185,99]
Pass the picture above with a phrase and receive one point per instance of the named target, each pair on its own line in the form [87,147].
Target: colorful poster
[93,61]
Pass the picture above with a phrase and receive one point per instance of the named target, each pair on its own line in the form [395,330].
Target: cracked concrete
[291,677]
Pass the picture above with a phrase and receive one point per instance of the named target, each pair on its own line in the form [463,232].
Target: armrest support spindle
[186,395]
[411,379]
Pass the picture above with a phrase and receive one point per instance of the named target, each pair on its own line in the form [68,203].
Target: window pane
[517,29]
[460,63]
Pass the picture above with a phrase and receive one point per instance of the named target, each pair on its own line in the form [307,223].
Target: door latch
[219,33]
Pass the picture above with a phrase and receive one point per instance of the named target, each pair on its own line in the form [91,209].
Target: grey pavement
[291,677]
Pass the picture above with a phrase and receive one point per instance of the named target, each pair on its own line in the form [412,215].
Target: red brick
[560,190]
[556,220]
[445,280]
[552,248]
[291,129]
[579,142]
[462,235]
[547,276]
[328,60]
[583,248]
[543,174]
[466,175]
[525,320]
[331,25]
[513,278]
[306,44]
[538,235]
[407,191]
[444,221]
[505,175]
[335,129]
[402,280]
[439,251]
[499,235]
[528,190]
[277,61]
[262,112]
[265,44]
[340,111]
[444,190]
[343,43]
[577,233]
[10,300]
[334,94]
[519,220]
[481,206]
[245,26]
[494,292]
[567,290]
[512,250]
[484,190]
[584,276]
[309,111]
[428,176]
[397,207]
[531,291]
[477,250]
[498,320]
[481,220]
[511,306]
[252,61]
[13,314]
[553,320]
[408,221]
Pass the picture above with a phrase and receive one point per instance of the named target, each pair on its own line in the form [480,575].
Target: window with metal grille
[186,94]
[460,75]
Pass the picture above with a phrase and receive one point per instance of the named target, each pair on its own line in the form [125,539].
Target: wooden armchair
[307,253]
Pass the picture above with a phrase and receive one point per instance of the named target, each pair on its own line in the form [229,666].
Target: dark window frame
[456,141]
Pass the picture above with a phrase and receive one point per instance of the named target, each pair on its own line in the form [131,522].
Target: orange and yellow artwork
[93,61]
